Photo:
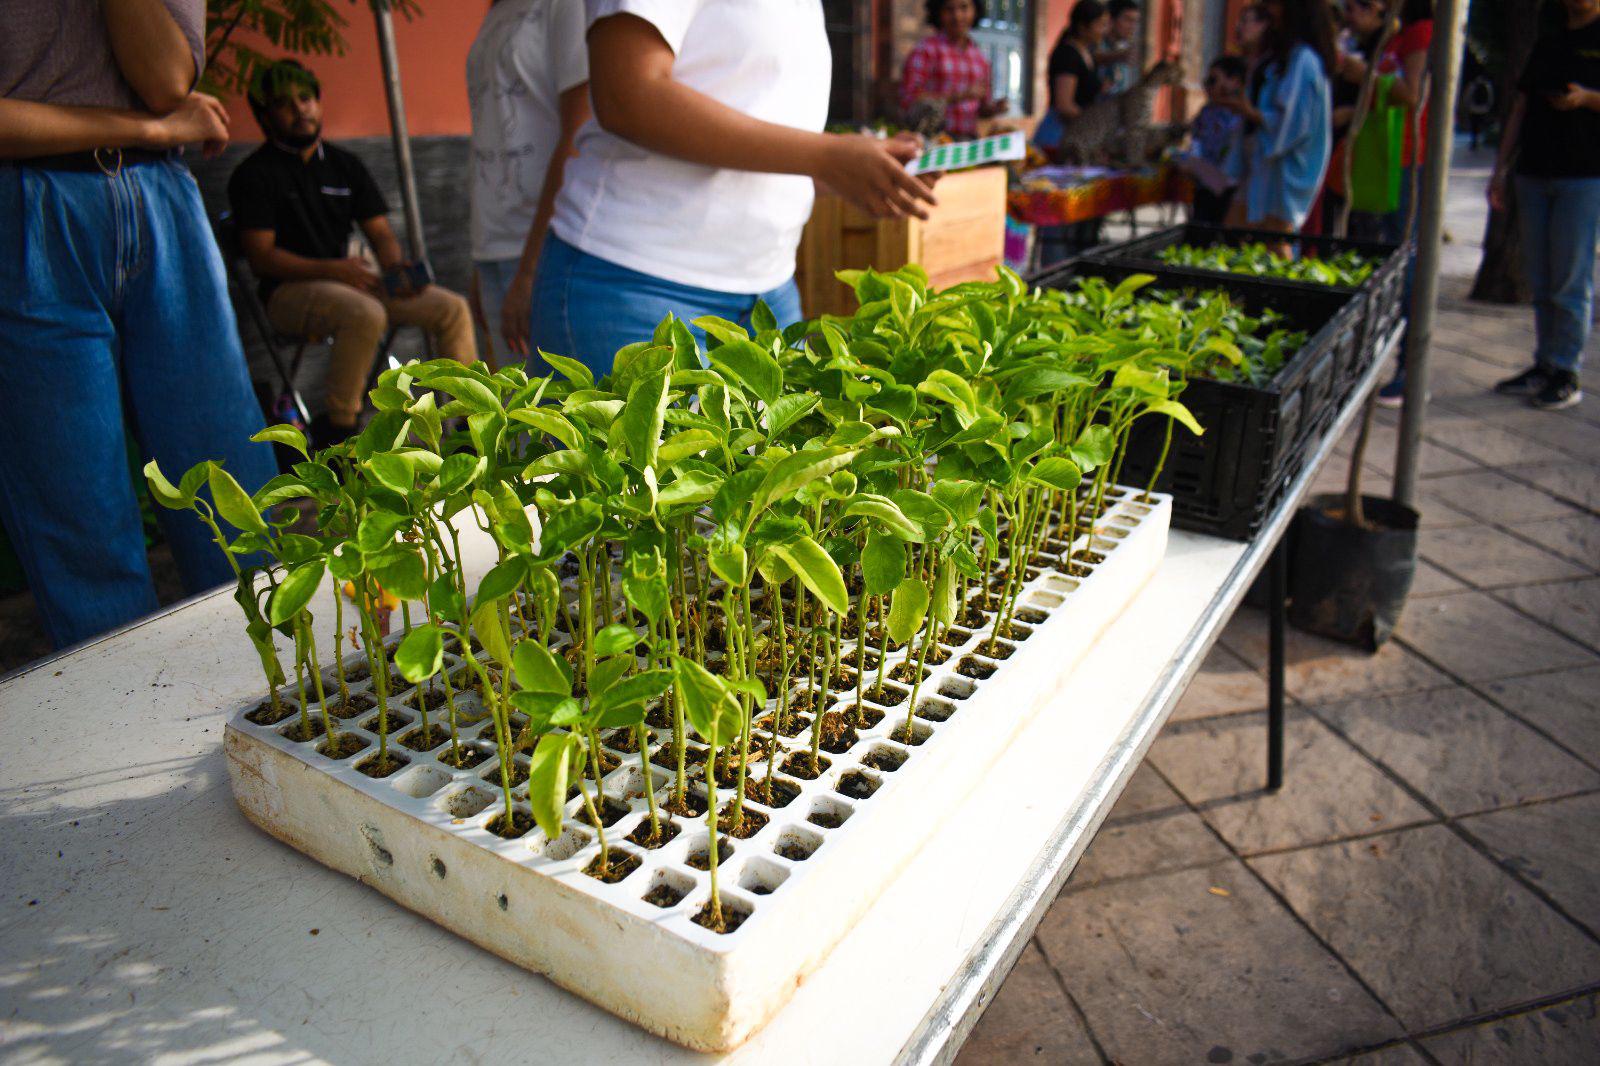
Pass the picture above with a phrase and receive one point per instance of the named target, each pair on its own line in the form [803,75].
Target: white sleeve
[569,52]
[670,17]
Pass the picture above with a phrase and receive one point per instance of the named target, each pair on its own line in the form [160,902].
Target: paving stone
[1489,558]
[1225,684]
[1564,703]
[1393,1055]
[1030,1020]
[1429,580]
[1330,791]
[1431,458]
[1577,483]
[1489,444]
[1576,537]
[1318,670]
[1563,1034]
[1434,928]
[1151,844]
[1145,793]
[1575,437]
[1553,846]
[1204,965]
[1573,607]
[1493,497]
[1459,750]
[1479,638]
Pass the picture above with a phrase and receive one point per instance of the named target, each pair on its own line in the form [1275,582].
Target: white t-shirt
[726,230]
[527,53]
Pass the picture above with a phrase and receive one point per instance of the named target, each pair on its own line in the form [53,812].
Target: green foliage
[300,27]
[1349,268]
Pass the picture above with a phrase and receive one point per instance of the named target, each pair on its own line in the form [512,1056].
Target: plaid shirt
[940,67]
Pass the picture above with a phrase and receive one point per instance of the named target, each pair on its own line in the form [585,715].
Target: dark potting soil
[623,740]
[521,824]
[792,725]
[935,710]
[266,714]
[622,864]
[666,829]
[825,819]
[856,785]
[611,811]
[431,698]
[974,668]
[464,757]
[998,650]
[417,740]
[799,764]
[666,756]
[700,858]
[910,735]
[692,805]
[665,895]
[396,722]
[886,759]
[301,732]
[793,850]
[782,792]
[887,695]
[864,715]
[382,766]
[1031,615]
[355,705]
[838,735]
[751,822]
[341,747]
[906,670]
[731,918]
[658,717]
[1084,555]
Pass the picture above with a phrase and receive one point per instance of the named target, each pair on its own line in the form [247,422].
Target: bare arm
[1066,90]
[152,51]
[267,260]
[29,129]
[515,310]
[1510,139]
[385,245]
[1409,89]
[636,98]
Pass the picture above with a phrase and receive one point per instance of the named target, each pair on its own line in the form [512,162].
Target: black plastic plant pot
[1350,584]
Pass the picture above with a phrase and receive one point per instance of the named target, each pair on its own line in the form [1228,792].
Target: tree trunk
[1500,277]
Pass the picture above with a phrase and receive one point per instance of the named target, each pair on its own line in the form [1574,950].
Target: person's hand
[1574,98]
[200,119]
[475,303]
[516,313]
[990,108]
[354,272]
[1497,191]
[871,173]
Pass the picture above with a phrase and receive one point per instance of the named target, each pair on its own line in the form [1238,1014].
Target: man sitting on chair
[294,200]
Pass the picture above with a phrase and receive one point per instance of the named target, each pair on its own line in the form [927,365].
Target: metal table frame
[947,1024]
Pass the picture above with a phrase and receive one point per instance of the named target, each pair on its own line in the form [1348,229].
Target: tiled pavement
[1426,887]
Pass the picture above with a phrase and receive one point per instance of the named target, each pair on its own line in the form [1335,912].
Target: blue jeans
[494,281]
[587,308]
[114,316]
[1560,225]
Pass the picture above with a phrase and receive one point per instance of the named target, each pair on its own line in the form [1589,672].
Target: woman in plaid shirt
[948,67]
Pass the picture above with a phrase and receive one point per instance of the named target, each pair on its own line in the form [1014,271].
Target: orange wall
[433,61]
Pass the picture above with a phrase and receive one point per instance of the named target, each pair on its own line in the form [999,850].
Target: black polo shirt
[1561,144]
[311,206]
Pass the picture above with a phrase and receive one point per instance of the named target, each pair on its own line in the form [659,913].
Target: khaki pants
[357,322]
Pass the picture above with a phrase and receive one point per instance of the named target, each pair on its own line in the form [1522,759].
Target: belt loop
[116,153]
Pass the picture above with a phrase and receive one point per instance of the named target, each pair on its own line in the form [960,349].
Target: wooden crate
[964,240]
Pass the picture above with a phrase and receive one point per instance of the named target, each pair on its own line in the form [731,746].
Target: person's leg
[1574,218]
[783,302]
[1535,205]
[356,321]
[494,280]
[65,495]
[446,317]
[183,368]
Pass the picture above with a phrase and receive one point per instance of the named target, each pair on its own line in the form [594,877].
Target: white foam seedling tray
[799,883]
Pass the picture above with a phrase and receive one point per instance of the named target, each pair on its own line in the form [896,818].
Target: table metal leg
[1278,595]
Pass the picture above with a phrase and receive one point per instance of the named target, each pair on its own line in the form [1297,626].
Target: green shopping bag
[1375,169]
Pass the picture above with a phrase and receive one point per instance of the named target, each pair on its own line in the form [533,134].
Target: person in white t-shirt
[689,190]
[527,81]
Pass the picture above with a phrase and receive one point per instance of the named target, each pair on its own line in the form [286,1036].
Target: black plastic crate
[1256,438]
[1384,290]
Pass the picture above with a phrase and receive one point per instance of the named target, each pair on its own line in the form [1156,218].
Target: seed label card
[1000,148]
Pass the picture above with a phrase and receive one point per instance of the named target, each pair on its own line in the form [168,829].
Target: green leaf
[816,570]
[954,390]
[511,526]
[1056,472]
[885,513]
[420,654]
[503,579]
[883,563]
[286,435]
[459,470]
[643,417]
[690,487]
[547,780]
[751,366]
[401,573]
[786,410]
[607,672]
[548,421]
[295,591]
[537,669]
[444,598]
[377,530]
[347,562]
[708,703]
[1175,410]
[907,609]
[792,473]
[571,369]
[163,491]
[469,389]
[728,561]
[943,605]
[632,691]
[682,445]
[615,639]
[491,634]
[233,503]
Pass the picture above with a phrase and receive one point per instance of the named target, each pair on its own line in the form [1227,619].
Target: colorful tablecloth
[1060,196]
